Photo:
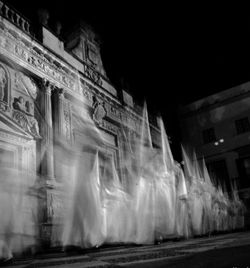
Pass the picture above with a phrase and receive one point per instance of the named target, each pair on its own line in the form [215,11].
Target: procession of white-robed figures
[157,198]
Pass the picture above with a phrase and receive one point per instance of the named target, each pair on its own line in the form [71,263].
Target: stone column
[47,182]
[59,113]
[47,144]
[59,132]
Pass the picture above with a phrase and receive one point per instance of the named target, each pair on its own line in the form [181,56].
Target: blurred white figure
[7,216]
[168,183]
[182,217]
[196,206]
[195,201]
[84,222]
[117,207]
[145,207]
[208,190]
[18,226]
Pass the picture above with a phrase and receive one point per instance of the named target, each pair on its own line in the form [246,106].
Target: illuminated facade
[44,83]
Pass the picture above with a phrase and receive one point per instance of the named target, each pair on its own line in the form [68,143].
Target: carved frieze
[43,62]
[37,60]
[109,127]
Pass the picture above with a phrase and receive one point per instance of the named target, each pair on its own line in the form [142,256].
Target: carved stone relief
[23,117]
[99,112]
[4,88]
[67,121]
[86,92]
[29,85]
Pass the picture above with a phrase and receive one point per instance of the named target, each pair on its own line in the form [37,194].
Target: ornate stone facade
[41,96]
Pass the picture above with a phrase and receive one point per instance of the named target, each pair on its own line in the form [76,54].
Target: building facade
[218,128]
[46,85]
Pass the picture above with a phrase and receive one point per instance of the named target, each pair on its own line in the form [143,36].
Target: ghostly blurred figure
[196,206]
[117,207]
[145,202]
[182,219]
[7,215]
[84,219]
[18,208]
[84,222]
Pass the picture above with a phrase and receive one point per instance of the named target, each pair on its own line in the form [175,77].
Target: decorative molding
[108,126]
[99,112]
[36,57]
[7,136]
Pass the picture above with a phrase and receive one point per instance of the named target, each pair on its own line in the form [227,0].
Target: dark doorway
[219,173]
[243,165]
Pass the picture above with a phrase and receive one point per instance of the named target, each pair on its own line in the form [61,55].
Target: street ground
[224,251]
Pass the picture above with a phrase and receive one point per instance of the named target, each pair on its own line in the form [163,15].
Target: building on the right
[217,127]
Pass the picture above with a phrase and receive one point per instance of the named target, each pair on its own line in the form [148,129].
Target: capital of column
[60,92]
[48,86]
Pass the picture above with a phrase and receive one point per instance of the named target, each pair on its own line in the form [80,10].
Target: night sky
[169,54]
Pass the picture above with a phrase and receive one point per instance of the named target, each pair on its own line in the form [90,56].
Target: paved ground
[224,251]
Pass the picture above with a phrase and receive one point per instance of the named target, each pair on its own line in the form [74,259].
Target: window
[242,125]
[208,135]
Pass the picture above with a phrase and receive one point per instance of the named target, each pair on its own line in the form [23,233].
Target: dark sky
[169,54]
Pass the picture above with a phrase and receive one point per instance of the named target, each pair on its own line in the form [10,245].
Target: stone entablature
[36,56]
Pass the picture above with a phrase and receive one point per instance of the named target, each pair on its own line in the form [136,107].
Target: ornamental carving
[4,88]
[109,127]
[99,112]
[113,111]
[67,121]
[22,116]
[29,85]
[86,92]
[132,141]
[37,60]
[92,75]
[92,54]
